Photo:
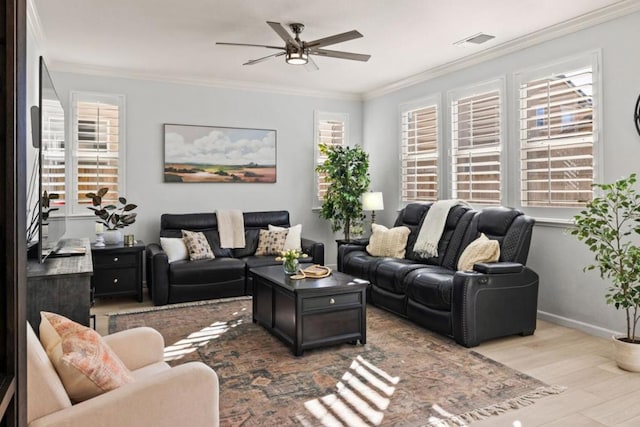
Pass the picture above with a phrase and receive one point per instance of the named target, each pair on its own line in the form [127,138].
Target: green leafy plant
[347,172]
[112,216]
[610,227]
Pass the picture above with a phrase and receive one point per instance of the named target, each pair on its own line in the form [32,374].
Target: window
[97,155]
[557,135]
[330,129]
[419,141]
[476,143]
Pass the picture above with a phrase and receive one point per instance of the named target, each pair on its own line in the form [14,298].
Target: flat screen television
[47,225]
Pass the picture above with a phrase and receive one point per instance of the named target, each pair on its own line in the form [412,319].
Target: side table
[117,270]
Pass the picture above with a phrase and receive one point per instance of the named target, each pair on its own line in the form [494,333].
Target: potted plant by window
[347,172]
[610,227]
[112,217]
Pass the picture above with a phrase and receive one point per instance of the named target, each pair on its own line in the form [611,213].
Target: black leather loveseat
[224,276]
[494,300]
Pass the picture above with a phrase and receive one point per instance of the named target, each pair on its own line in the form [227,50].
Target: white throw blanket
[432,227]
[231,228]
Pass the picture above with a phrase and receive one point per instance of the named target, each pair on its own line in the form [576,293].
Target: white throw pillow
[175,248]
[294,236]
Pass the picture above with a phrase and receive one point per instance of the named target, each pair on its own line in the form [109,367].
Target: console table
[60,285]
[117,270]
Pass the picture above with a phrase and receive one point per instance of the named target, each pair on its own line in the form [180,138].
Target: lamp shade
[372,201]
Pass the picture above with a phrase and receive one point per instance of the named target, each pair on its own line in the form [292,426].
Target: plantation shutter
[329,131]
[53,151]
[96,133]
[419,154]
[476,147]
[557,139]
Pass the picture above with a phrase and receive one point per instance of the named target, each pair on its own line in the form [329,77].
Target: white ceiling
[175,40]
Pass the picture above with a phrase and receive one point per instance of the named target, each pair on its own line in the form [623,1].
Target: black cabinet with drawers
[117,270]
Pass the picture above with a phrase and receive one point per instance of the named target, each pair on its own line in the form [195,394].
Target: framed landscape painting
[219,154]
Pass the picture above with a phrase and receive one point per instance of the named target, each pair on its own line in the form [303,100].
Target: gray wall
[149,104]
[567,295]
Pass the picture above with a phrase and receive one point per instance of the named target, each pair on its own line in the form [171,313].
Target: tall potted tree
[347,172]
[610,227]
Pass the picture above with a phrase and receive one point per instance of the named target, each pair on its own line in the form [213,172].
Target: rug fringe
[499,408]
[179,305]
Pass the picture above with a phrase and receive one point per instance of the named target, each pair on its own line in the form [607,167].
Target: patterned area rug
[404,375]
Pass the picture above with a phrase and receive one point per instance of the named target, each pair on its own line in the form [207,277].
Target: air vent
[475,39]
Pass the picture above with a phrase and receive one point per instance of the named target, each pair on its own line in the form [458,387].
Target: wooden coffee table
[310,313]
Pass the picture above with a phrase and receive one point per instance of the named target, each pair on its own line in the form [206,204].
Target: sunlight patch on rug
[355,403]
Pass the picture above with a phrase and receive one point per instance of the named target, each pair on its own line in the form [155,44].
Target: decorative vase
[290,266]
[112,237]
[627,355]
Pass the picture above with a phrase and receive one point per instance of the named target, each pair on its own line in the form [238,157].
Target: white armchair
[160,395]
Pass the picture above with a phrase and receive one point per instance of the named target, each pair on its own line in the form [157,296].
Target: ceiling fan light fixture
[297,57]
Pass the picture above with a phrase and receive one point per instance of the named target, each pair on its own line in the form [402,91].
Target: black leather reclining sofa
[494,300]
[224,276]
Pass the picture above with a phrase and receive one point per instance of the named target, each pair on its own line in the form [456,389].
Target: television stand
[60,285]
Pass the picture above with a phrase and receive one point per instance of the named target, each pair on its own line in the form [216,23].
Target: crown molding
[35,26]
[69,67]
[582,22]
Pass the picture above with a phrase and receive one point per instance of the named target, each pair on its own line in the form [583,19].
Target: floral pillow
[85,364]
[271,242]
[197,245]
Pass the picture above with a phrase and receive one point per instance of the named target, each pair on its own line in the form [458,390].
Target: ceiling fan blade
[283,33]
[311,65]
[338,38]
[340,54]
[252,45]
[264,58]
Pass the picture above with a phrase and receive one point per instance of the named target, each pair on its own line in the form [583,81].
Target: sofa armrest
[185,395]
[314,249]
[498,267]
[158,274]
[486,306]
[137,347]
[347,248]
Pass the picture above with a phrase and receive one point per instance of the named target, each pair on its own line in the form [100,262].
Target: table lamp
[372,201]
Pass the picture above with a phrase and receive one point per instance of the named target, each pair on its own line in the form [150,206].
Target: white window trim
[593,58]
[499,84]
[427,101]
[317,117]
[72,206]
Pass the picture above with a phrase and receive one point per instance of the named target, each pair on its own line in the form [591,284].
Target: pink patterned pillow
[85,364]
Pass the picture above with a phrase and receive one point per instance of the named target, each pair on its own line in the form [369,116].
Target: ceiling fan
[297,52]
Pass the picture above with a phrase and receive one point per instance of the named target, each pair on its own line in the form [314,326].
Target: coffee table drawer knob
[332,301]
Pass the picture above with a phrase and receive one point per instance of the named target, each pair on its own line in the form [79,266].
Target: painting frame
[219,154]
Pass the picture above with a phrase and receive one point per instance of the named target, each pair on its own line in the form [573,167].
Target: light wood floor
[598,392]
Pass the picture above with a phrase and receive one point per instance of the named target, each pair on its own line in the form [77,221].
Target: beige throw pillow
[271,242]
[482,249]
[388,242]
[294,236]
[85,364]
[197,245]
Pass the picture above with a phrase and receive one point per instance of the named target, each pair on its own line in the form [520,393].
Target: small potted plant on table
[112,217]
[610,227]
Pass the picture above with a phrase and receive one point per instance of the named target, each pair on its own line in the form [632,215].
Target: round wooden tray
[313,272]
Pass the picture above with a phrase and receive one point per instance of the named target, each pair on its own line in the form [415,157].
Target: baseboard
[576,324]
